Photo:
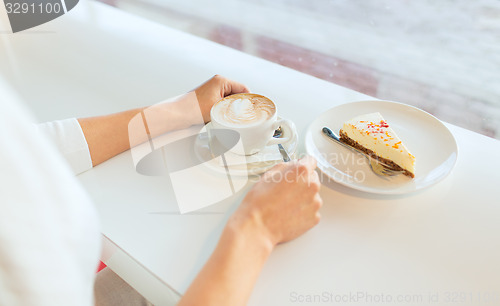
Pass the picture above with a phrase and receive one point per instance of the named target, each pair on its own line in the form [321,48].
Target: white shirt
[49,233]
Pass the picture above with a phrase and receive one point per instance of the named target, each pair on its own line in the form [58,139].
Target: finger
[232,87]
[275,169]
[317,218]
[306,164]
[309,161]
[318,201]
[315,178]
[316,206]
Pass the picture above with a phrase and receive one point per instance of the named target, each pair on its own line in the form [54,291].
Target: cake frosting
[373,135]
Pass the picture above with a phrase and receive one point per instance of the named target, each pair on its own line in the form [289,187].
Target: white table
[431,246]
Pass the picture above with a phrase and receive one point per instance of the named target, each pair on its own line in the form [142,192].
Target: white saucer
[249,165]
[426,137]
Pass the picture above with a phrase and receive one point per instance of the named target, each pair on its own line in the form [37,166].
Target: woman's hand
[284,203]
[281,206]
[213,90]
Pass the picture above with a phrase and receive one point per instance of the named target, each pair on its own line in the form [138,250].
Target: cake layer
[372,134]
[392,165]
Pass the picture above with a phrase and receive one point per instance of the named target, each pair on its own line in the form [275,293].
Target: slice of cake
[372,134]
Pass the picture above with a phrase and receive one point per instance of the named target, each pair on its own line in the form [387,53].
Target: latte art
[245,123]
[243,109]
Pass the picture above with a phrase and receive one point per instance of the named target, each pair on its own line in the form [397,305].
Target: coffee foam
[243,109]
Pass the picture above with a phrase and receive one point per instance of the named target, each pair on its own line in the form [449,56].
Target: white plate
[427,138]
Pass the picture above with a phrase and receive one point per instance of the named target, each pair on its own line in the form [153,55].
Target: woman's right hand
[284,203]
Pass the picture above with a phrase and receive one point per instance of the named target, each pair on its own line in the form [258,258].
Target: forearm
[231,272]
[110,135]
[113,134]
[107,135]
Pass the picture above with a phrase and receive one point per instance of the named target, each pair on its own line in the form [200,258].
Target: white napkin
[269,153]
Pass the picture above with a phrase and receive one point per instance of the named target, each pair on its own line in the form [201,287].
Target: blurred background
[441,56]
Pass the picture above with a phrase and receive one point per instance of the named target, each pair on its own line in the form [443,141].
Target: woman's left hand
[215,89]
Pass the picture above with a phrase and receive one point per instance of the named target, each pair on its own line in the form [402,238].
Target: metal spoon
[284,154]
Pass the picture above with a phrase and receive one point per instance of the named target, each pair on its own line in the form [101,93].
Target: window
[441,56]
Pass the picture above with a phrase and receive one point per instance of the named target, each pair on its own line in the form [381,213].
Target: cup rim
[270,119]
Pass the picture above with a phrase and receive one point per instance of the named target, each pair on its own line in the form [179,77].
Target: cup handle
[288,129]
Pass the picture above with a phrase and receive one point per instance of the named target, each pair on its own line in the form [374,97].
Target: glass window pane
[441,56]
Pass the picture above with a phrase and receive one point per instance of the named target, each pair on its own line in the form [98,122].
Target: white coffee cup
[253,117]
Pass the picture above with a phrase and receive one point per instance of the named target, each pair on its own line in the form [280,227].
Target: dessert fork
[378,167]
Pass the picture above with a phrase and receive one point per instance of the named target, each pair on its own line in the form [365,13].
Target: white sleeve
[68,137]
[49,228]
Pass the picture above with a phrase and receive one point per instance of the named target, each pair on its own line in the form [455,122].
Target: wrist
[250,230]
[191,108]
[175,114]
